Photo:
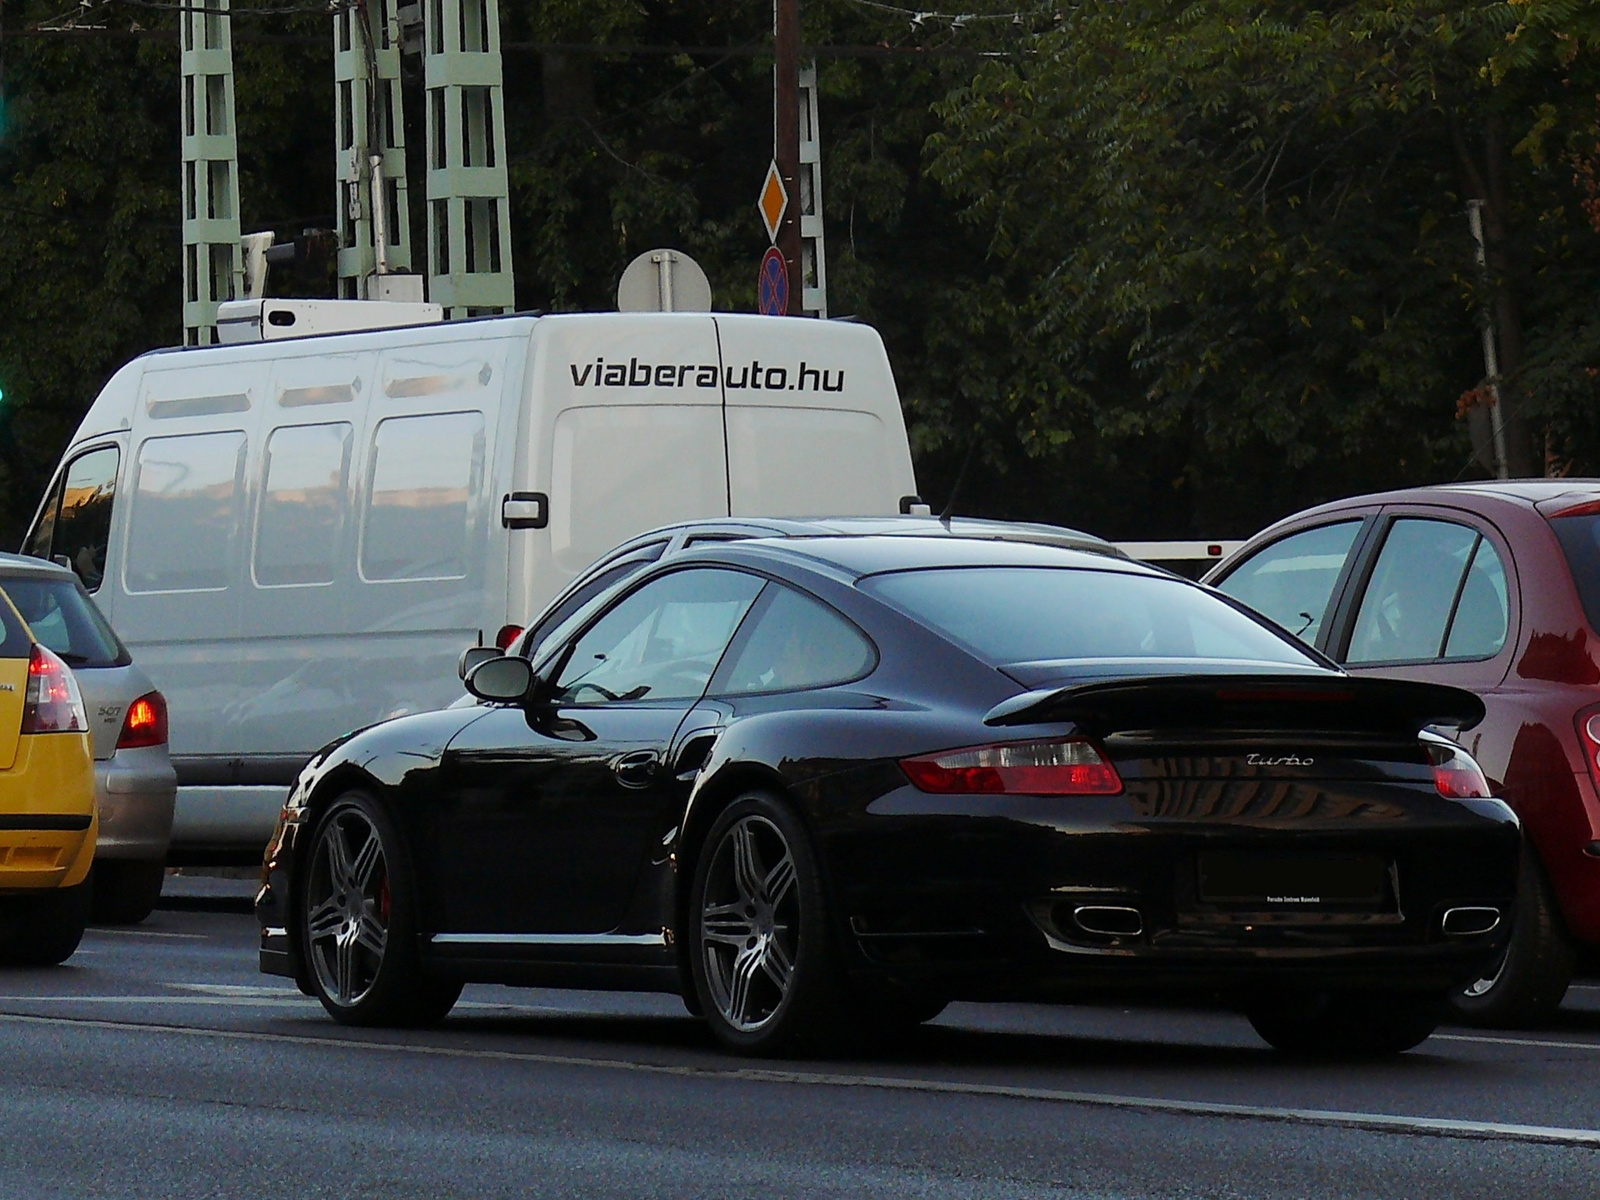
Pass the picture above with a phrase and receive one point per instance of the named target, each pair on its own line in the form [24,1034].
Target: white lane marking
[155,933]
[261,998]
[1514,1041]
[292,1000]
[1370,1122]
[235,989]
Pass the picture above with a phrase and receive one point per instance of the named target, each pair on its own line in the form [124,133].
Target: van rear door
[813,419]
[623,433]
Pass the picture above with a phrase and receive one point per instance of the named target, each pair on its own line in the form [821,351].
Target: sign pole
[786,135]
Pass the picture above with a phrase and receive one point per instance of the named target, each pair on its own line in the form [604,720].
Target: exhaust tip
[1468,921]
[1108,920]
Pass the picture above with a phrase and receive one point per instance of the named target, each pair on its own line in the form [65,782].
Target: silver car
[134,781]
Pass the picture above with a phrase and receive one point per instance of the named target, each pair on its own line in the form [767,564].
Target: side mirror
[504,679]
[472,656]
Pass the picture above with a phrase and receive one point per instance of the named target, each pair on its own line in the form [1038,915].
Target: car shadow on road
[929,1045]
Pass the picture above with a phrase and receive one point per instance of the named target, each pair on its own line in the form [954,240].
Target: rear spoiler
[1256,702]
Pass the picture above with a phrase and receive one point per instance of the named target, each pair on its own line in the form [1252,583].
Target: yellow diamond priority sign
[774,201]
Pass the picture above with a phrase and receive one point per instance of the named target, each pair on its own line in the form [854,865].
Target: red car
[1493,587]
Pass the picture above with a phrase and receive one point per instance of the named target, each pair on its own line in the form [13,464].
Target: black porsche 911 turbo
[820,786]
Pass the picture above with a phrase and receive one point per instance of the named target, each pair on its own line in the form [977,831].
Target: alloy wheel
[750,923]
[347,907]
[1485,985]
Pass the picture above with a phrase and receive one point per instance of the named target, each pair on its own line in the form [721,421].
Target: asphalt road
[159,1063]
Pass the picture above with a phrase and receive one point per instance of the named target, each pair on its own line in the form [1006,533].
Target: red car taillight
[54,704]
[1455,773]
[1589,736]
[145,724]
[507,635]
[1055,768]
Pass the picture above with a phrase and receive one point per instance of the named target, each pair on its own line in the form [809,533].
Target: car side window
[75,526]
[797,643]
[586,591]
[1415,590]
[1483,611]
[1291,582]
[661,642]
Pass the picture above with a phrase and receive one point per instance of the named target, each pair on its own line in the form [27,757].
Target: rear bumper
[135,790]
[48,822]
[981,898]
[226,820]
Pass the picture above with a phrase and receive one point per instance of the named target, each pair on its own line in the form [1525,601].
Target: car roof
[857,555]
[23,564]
[977,528]
[1517,492]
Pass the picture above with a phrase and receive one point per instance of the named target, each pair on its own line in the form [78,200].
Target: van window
[76,522]
[425,477]
[799,462]
[619,469]
[185,517]
[302,504]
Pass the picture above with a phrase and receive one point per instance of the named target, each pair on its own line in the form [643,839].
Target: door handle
[636,769]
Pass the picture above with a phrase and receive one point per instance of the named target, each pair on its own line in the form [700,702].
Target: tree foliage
[1154,267]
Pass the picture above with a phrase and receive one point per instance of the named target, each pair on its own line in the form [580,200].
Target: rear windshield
[66,620]
[1015,615]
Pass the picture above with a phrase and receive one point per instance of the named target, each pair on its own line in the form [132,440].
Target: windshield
[1022,615]
[65,620]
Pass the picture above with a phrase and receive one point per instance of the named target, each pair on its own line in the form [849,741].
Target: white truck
[296,537]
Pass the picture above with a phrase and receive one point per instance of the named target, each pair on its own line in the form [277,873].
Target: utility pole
[786,138]
[212,266]
[469,210]
[813,257]
[1491,358]
[373,212]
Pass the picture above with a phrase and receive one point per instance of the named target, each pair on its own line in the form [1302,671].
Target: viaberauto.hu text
[634,373]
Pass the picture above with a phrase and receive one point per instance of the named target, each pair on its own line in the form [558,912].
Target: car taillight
[1589,727]
[507,635]
[54,704]
[1455,773]
[1056,768]
[145,723]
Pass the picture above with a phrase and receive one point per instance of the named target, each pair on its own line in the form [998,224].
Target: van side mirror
[473,655]
[504,679]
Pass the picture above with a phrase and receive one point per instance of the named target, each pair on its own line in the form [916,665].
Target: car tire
[357,925]
[1347,1025]
[49,929]
[1530,981]
[764,969]
[125,891]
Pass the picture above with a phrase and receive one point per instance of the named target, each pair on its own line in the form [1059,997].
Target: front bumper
[136,791]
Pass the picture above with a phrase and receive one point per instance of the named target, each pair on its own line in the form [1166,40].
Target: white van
[296,538]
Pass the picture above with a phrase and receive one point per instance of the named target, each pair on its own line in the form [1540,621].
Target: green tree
[1239,226]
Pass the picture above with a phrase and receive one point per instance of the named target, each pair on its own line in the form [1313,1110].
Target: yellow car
[48,820]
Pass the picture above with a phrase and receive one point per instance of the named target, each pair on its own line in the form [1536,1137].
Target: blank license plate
[1295,881]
